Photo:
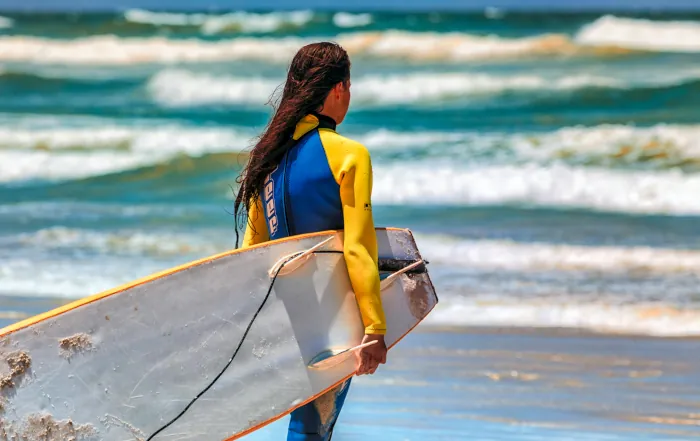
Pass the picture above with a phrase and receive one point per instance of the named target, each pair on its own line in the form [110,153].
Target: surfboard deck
[120,364]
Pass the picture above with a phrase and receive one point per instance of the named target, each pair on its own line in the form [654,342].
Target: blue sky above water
[78,5]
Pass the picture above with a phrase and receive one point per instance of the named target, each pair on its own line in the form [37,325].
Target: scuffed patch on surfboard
[418,295]
[75,344]
[19,362]
[112,421]
[43,427]
[262,348]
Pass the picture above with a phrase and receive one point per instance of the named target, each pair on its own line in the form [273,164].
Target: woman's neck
[333,110]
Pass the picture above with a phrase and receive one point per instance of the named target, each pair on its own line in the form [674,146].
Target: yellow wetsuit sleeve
[352,168]
[256,227]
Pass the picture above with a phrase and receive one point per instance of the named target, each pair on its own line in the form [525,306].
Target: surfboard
[123,364]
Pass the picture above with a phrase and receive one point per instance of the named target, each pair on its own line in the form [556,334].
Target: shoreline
[499,385]
[545,331]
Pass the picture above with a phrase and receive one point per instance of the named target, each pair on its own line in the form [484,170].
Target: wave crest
[246,22]
[347,20]
[656,319]
[6,22]
[607,36]
[485,304]
[523,256]
[609,167]
[177,87]
[74,153]
[257,23]
[454,47]
[558,185]
[113,50]
[136,243]
[643,35]
[173,139]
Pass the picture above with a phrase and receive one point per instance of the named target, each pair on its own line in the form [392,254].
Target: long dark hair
[315,70]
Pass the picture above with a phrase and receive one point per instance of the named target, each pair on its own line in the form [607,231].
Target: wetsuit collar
[312,121]
[325,122]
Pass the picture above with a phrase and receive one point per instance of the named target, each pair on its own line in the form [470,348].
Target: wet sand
[525,384]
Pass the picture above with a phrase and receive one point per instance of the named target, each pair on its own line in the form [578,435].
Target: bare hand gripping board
[119,365]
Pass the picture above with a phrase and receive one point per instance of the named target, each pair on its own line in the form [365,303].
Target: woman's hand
[372,356]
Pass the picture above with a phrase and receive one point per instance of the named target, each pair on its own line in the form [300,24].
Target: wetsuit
[324,182]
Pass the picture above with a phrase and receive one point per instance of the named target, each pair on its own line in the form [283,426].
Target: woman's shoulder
[333,141]
[344,154]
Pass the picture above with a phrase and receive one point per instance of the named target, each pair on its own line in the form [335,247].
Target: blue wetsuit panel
[304,194]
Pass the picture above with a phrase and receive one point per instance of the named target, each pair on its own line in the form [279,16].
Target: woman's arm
[360,246]
[352,168]
[256,227]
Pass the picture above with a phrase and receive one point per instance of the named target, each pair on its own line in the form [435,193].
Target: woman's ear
[338,90]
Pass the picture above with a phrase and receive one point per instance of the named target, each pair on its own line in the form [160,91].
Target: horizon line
[543,10]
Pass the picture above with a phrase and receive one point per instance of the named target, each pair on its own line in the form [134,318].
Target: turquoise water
[549,164]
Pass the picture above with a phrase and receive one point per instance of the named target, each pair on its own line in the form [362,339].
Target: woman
[309,179]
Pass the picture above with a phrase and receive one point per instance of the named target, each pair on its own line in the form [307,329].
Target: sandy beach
[510,384]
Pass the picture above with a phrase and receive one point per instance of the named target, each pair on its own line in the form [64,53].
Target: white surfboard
[120,365]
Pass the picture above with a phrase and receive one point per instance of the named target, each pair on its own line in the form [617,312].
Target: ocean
[549,164]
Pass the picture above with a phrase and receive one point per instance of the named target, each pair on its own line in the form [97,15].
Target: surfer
[303,177]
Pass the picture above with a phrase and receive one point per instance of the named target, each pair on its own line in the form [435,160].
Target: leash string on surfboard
[238,348]
[388,263]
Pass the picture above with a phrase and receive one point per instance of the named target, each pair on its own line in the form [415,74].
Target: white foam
[524,256]
[454,46]
[664,145]
[214,24]
[19,166]
[646,319]
[383,139]
[164,138]
[469,306]
[558,185]
[494,13]
[347,20]
[65,278]
[430,87]
[51,147]
[136,243]
[256,23]
[164,18]
[68,153]
[6,22]
[176,87]
[181,87]
[126,255]
[113,50]
[639,34]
